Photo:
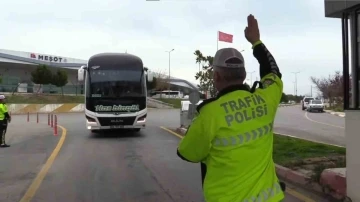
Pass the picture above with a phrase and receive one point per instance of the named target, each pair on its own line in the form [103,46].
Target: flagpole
[217,41]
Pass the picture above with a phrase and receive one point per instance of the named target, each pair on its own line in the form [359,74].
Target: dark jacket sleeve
[266,60]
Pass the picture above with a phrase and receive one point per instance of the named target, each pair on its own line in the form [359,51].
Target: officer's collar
[232,88]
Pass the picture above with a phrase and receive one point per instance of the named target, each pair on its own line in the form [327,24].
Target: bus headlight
[90,120]
[142,119]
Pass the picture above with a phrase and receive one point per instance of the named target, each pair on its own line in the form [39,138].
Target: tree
[331,87]
[296,98]
[161,81]
[284,98]
[151,85]
[60,79]
[205,76]
[41,75]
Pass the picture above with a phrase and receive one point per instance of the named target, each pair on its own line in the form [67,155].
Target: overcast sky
[296,32]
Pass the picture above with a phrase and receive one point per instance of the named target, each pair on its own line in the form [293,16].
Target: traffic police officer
[4,120]
[232,136]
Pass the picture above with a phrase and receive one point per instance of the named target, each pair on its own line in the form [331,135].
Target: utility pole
[295,82]
[311,92]
[169,69]
[250,75]
[294,87]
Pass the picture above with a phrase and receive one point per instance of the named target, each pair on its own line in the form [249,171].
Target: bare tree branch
[331,87]
[162,80]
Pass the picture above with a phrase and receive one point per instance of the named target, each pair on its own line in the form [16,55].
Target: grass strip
[288,150]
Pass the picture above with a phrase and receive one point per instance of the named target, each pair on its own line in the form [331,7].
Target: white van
[305,102]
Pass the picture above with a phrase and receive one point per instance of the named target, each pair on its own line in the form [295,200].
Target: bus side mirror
[150,76]
[81,73]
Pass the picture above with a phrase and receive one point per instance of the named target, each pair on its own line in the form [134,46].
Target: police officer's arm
[6,113]
[196,144]
[7,116]
[269,71]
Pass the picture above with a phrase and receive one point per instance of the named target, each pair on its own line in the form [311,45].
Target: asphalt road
[31,144]
[113,167]
[316,126]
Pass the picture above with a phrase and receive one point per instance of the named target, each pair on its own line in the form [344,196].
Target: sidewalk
[341,114]
[31,144]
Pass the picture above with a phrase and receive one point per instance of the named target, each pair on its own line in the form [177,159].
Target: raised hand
[252,33]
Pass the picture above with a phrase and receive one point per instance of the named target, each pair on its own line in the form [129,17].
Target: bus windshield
[115,83]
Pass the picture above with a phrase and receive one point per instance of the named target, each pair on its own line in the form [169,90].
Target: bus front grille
[110,121]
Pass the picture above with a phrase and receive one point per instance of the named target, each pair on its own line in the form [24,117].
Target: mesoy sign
[47,58]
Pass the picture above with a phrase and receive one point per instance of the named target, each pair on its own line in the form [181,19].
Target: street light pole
[169,69]
[251,76]
[295,82]
[311,90]
[294,87]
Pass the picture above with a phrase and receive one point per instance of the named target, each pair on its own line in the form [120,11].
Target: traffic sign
[194,97]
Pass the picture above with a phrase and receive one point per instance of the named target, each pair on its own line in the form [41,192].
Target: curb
[45,108]
[287,105]
[18,109]
[297,178]
[332,184]
[340,114]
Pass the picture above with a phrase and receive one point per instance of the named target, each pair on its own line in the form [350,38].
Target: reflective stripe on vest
[266,194]
[245,137]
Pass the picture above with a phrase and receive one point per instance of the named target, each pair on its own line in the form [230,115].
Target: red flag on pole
[225,37]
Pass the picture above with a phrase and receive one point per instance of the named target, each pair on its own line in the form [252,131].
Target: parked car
[316,105]
[305,102]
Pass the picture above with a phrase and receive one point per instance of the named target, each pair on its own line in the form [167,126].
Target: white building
[16,67]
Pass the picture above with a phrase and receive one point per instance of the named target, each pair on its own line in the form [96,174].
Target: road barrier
[52,121]
[55,126]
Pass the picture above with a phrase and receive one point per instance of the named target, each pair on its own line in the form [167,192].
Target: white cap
[2,97]
[228,58]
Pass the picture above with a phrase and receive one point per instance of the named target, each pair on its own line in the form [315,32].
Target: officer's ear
[217,76]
